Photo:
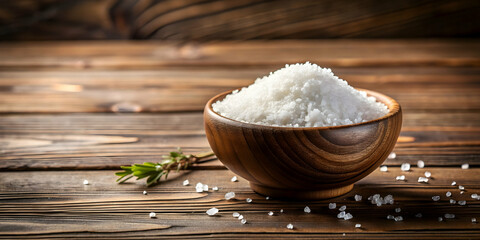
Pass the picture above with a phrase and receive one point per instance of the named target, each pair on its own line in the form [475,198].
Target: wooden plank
[107,141]
[274,54]
[430,89]
[241,19]
[57,204]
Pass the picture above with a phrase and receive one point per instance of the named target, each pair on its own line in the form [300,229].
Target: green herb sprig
[154,171]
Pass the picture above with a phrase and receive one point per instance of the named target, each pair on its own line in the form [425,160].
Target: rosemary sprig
[154,171]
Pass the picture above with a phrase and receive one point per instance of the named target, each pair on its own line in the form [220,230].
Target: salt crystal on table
[342,208]
[392,155]
[290,226]
[229,195]
[348,216]
[145,193]
[235,214]
[267,198]
[461,187]
[420,164]
[418,215]
[332,205]
[249,200]
[405,167]
[436,198]
[240,217]
[205,188]
[428,174]
[358,225]
[474,220]
[422,179]
[400,178]
[186,183]
[152,215]
[398,219]
[452,201]
[461,192]
[243,221]
[212,211]
[234,179]
[390,217]
[85,182]
[307,209]
[449,215]
[462,202]
[215,188]
[383,168]
[448,194]
[341,214]
[454,183]
[270,213]
[199,187]
[465,166]
[281,210]
[440,219]
[358,198]
[397,210]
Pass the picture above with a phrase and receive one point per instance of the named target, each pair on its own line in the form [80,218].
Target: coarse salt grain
[243,221]
[281,210]
[440,219]
[342,208]
[397,210]
[240,217]
[205,188]
[152,215]
[474,220]
[462,202]
[465,166]
[422,179]
[358,225]
[199,187]
[420,164]
[405,167]
[248,200]
[85,182]
[436,198]
[270,213]
[212,211]
[428,174]
[215,188]
[348,216]
[448,194]
[229,195]
[186,183]
[300,95]
[461,187]
[392,155]
[234,179]
[341,214]
[454,183]
[390,217]
[449,215]
[418,215]
[358,197]
[398,219]
[267,198]
[400,178]
[290,226]
[452,201]
[307,209]
[383,169]
[145,193]
[475,196]
[332,205]
[235,214]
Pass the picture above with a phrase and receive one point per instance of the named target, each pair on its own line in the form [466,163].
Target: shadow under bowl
[305,162]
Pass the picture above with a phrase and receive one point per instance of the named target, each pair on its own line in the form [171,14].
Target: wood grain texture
[39,204]
[303,163]
[201,20]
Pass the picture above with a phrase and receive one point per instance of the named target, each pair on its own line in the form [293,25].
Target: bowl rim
[392,105]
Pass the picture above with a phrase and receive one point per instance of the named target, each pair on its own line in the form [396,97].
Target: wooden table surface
[78,110]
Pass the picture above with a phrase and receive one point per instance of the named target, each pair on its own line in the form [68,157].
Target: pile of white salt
[300,95]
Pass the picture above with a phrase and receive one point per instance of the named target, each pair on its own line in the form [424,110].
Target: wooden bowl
[303,163]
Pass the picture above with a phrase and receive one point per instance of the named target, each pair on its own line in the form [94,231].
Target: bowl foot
[301,194]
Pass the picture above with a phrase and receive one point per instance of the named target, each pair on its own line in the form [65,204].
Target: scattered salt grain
[462,202]
[300,95]
[454,183]
[205,188]
[290,226]
[461,187]
[383,169]
[267,198]
[358,225]
[418,215]
[461,192]
[270,213]
[436,198]
[475,196]
[248,200]
[397,210]
[474,220]
[405,167]
[452,201]
[428,174]
[448,194]
[341,214]
[234,179]
[358,198]
[235,214]
[400,178]
[243,221]
[186,183]
[85,182]
[307,209]
[215,188]
[392,155]
[390,217]
[281,210]
[152,215]
[422,180]
[348,216]
[420,164]
[212,211]
[240,217]
[398,219]
[199,187]
[440,219]
[332,205]
[449,215]
[229,195]
[465,166]
[342,208]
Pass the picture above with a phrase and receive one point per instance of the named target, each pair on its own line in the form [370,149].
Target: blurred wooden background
[201,20]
